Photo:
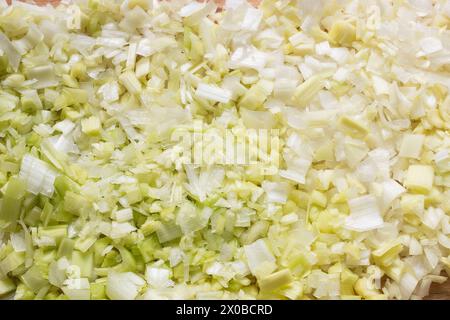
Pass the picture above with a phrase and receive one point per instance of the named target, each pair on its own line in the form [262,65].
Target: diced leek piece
[144,4]
[213,93]
[30,100]
[63,184]
[55,232]
[413,203]
[91,126]
[38,175]
[319,199]
[134,195]
[353,127]
[348,200]
[387,254]
[256,95]
[34,279]
[419,178]
[69,81]
[348,280]
[259,258]
[142,67]
[85,262]
[307,90]
[78,70]
[74,95]
[343,33]
[84,244]
[23,293]
[130,82]
[57,272]
[99,250]
[148,247]
[10,52]
[111,259]
[47,213]
[325,152]
[6,286]
[275,280]
[355,152]
[98,291]
[168,232]
[123,286]
[12,203]
[365,214]
[69,97]
[77,289]
[365,288]
[12,261]
[74,203]
[128,261]
[3,64]
[33,216]
[411,146]
[327,221]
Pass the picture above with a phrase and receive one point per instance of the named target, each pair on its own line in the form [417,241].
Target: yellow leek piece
[70,96]
[6,286]
[73,203]
[130,82]
[365,288]
[411,146]
[387,254]
[78,71]
[149,226]
[69,81]
[29,104]
[308,89]
[85,262]
[66,248]
[144,4]
[355,152]
[412,203]
[293,291]
[434,197]
[91,126]
[353,127]
[325,152]
[289,206]
[348,280]
[303,49]
[34,279]
[318,199]
[98,291]
[134,195]
[58,232]
[12,262]
[256,95]
[395,270]
[12,203]
[419,178]
[327,221]
[275,280]
[301,198]
[343,33]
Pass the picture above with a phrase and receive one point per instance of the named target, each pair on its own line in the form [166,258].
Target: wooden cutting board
[437,292]
[440,291]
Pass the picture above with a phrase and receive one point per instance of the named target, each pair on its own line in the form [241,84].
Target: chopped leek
[157,149]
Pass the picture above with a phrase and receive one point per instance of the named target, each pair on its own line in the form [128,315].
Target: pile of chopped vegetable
[97,201]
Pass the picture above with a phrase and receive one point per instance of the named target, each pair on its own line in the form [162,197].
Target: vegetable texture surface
[169,150]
